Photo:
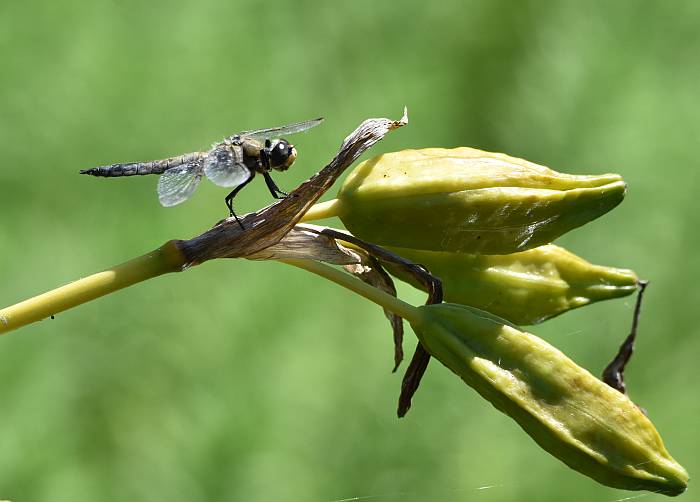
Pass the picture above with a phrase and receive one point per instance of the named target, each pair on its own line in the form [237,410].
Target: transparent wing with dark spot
[177,184]
[224,169]
[278,132]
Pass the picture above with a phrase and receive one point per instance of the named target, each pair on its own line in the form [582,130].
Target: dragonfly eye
[280,155]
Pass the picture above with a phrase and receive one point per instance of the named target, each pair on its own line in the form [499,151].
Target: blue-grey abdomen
[142,168]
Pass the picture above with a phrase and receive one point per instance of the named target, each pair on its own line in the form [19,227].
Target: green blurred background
[240,380]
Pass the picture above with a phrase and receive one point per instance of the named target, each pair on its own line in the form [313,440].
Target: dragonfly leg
[273,188]
[234,192]
[265,156]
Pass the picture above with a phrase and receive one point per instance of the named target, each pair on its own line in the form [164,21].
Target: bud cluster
[483,223]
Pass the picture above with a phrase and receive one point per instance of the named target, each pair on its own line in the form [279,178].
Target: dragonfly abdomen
[135,169]
[141,168]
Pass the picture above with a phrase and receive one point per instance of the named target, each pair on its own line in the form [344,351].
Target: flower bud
[467,200]
[588,425]
[527,287]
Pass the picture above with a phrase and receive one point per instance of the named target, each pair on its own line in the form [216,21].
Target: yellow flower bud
[468,200]
[591,427]
[525,288]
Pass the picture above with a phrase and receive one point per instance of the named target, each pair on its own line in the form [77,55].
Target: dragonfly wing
[278,132]
[224,168]
[177,184]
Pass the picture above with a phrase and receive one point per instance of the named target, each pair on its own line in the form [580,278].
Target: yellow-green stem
[165,259]
[322,210]
[376,295]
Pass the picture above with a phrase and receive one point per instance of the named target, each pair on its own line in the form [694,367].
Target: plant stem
[322,210]
[165,259]
[389,302]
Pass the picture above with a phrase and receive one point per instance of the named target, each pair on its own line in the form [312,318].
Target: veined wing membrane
[223,169]
[177,184]
[278,132]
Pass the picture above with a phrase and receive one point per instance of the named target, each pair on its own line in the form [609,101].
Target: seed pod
[468,200]
[588,425]
[527,287]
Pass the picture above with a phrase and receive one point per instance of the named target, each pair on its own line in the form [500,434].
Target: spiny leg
[273,188]
[229,197]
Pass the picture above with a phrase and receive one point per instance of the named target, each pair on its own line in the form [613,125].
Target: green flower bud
[591,427]
[468,200]
[525,288]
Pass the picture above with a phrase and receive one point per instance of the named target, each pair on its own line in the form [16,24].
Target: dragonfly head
[282,155]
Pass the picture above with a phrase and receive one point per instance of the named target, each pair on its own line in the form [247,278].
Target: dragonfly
[232,162]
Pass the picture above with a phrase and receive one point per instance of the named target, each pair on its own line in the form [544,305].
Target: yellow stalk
[389,302]
[165,259]
[322,210]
